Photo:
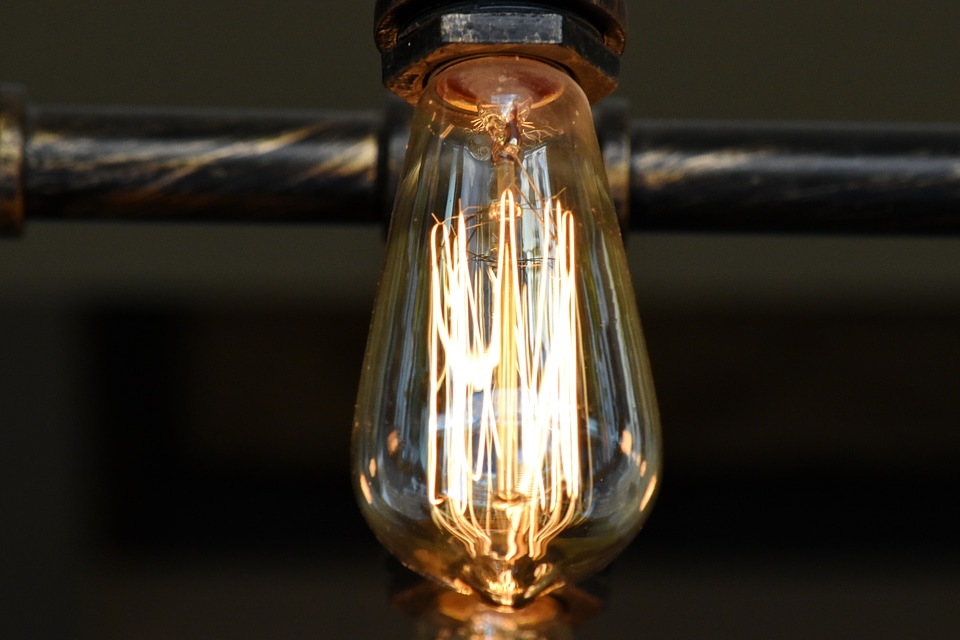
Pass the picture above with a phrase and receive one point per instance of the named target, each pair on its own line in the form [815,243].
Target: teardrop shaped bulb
[506,438]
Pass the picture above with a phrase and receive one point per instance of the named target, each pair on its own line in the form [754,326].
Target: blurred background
[176,401]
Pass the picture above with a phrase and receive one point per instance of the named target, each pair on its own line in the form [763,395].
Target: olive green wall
[857,59]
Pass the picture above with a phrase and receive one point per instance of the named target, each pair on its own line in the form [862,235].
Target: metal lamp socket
[585,37]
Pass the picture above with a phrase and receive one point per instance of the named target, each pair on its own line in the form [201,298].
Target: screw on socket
[584,37]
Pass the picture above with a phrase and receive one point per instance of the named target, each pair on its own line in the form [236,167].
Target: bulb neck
[584,37]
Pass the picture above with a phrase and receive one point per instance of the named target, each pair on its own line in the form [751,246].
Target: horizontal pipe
[143,164]
[795,177]
[74,163]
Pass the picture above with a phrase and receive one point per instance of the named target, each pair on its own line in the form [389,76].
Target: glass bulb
[506,438]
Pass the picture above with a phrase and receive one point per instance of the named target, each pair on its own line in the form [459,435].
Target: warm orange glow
[506,439]
[504,449]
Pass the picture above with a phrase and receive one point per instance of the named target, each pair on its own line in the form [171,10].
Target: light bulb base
[584,37]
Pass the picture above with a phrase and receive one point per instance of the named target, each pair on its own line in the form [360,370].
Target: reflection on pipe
[320,167]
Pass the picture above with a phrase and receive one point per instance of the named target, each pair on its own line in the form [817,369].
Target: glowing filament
[504,447]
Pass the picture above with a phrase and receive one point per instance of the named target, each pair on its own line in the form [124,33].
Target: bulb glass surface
[506,438]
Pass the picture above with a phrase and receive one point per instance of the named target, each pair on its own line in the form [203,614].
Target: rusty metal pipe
[77,163]
[736,177]
[81,163]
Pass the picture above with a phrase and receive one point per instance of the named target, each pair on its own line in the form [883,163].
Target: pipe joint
[12,142]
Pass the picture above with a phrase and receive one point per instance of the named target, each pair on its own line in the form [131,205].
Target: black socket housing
[416,37]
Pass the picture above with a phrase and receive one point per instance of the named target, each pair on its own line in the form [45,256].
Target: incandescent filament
[504,448]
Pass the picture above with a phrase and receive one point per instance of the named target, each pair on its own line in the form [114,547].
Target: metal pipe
[75,163]
[735,177]
[202,165]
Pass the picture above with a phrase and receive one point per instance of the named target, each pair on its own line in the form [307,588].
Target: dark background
[175,401]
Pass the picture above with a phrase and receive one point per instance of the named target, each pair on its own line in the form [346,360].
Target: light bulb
[506,438]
